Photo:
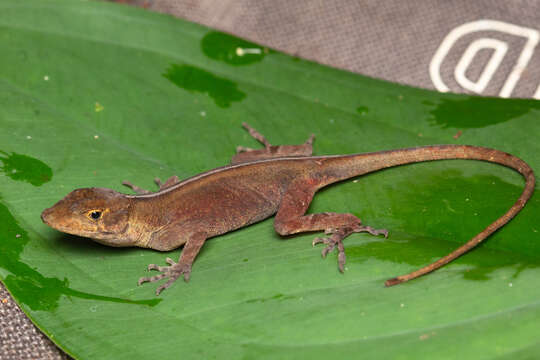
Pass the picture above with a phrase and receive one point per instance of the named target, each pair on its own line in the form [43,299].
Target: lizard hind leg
[336,239]
[291,219]
[245,154]
[256,135]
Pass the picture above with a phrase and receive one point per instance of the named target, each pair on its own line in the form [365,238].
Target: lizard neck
[147,216]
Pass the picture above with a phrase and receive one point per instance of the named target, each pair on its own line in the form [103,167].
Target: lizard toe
[151,278]
[336,239]
[156,267]
[371,231]
[172,272]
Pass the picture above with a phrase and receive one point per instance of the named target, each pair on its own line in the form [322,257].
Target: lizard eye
[94,214]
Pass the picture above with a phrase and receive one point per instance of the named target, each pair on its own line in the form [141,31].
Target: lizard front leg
[170,181]
[291,219]
[180,268]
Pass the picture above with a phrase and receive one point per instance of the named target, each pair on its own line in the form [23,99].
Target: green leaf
[93,93]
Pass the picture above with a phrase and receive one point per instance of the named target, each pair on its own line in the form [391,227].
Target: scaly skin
[279,180]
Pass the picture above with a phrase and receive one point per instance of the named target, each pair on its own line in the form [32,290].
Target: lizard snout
[46,216]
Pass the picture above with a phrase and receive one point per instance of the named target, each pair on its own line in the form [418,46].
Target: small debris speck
[46,78]
[402,305]
[241,52]
[203,113]
[96,137]
[18,236]
[99,107]
[510,284]
[424,336]
[458,134]
[28,137]
[355,181]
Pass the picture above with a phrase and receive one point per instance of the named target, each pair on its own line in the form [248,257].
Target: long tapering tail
[380,160]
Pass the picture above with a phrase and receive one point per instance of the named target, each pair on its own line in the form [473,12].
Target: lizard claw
[330,242]
[173,272]
[336,239]
[372,231]
[324,240]
[135,188]
[155,267]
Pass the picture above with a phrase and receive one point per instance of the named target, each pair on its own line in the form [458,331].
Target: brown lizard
[277,180]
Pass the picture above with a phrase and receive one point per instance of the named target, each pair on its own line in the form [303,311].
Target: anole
[279,180]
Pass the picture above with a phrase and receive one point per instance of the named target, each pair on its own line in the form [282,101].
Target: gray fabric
[390,40]
[19,338]
[384,39]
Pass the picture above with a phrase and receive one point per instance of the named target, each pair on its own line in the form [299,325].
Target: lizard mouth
[46,216]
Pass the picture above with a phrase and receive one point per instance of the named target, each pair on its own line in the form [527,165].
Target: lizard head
[97,213]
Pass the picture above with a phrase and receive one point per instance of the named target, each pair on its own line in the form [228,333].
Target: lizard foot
[173,272]
[162,185]
[135,188]
[169,182]
[336,239]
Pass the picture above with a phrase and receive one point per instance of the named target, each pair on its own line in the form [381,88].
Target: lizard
[258,183]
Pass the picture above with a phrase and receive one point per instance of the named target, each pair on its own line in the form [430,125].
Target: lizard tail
[354,165]
[440,152]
